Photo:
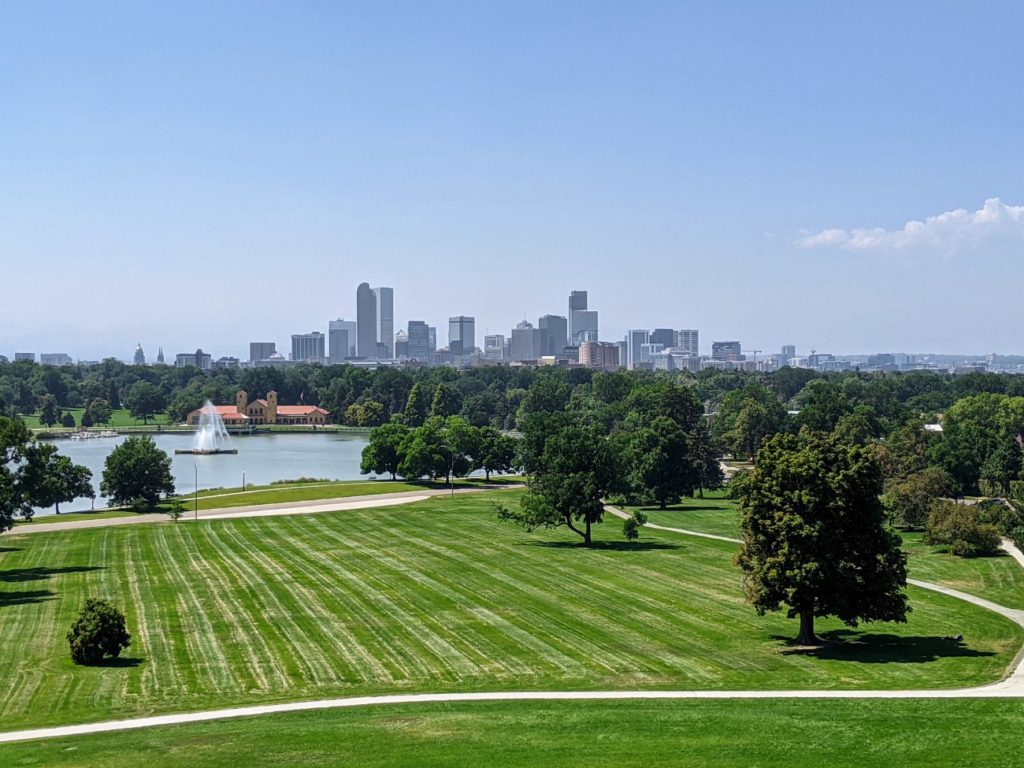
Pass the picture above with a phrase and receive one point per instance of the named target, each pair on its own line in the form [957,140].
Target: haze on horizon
[845,178]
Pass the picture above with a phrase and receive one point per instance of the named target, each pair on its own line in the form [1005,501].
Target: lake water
[263,457]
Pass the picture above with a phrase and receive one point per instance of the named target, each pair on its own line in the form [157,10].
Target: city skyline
[691,165]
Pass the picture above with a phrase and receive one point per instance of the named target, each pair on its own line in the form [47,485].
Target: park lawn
[433,596]
[998,578]
[119,417]
[715,513]
[782,733]
[70,517]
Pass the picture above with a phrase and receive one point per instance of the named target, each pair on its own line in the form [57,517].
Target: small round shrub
[98,632]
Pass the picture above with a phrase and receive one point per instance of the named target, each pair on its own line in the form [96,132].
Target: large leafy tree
[569,480]
[659,462]
[909,500]
[417,407]
[99,411]
[137,473]
[815,540]
[52,479]
[145,400]
[383,451]
[15,439]
[747,417]
[49,411]
[497,451]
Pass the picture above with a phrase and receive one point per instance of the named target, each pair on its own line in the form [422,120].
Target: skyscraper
[687,340]
[635,339]
[726,350]
[526,342]
[582,323]
[366,321]
[341,339]
[461,334]
[308,346]
[664,336]
[261,350]
[554,335]
[420,347]
[385,325]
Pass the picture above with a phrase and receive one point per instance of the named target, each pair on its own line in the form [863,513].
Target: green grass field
[120,417]
[873,733]
[715,513]
[434,596]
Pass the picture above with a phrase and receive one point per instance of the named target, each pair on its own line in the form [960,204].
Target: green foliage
[51,479]
[144,400]
[961,527]
[383,452]
[746,418]
[98,632]
[632,525]
[99,412]
[447,401]
[814,534]
[369,413]
[67,420]
[49,410]
[15,498]
[137,473]
[658,461]
[417,406]
[497,452]
[978,436]
[909,500]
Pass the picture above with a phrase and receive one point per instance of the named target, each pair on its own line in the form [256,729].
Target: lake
[263,458]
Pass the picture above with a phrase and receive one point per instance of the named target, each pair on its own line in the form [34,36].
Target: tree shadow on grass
[687,508]
[120,662]
[9,549]
[38,574]
[870,648]
[605,546]
[21,598]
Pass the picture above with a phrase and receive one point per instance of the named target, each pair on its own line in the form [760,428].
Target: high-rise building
[421,347]
[726,350]
[582,323]
[401,345]
[308,346]
[789,351]
[554,335]
[599,354]
[385,324]
[634,340]
[526,342]
[664,336]
[261,350]
[494,347]
[140,356]
[341,339]
[647,353]
[461,335]
[687,340]
[55,358]
[366,321]
[197,359]
[24,356]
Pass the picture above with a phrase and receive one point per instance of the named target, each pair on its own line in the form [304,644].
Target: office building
[525,343]
[664,336]
[55,358]
[222,363]
[366,321]
[140,356]
[789,351]
[634,340]
[582,323]
[341,339]
[261,350]
[687,341]
[461,335]
[420,344]
[726,350]
[385,324]
[401,345]
[308,346]
[25,356]
[197,359]
[494,347]
[599,354]
[647,352]
[554,334]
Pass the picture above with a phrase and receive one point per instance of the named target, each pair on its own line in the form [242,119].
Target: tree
[49,410]
[15,439]
[99,411]
[136,473]
[383,452]
[98,632]
[960,526]
[447,401]
[705,456]
[909,500]
[51,479]
[822,405]
[814,534]
[144,400]
[417,406]
[67,420]
[576,471]
[747,417]
[497,451]
[422,452]
[1002,467]
[658,462]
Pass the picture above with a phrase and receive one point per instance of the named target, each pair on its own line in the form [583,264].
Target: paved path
[262,510]
[1011,687]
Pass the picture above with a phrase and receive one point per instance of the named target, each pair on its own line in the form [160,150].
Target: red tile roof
[299,410]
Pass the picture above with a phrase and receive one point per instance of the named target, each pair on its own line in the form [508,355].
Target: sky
[841,176]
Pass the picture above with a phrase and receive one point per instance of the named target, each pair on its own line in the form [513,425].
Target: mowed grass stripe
[411,645]
[296,609]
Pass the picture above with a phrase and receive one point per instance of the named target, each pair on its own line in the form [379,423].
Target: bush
[962,528]
[98,632]
[909,500]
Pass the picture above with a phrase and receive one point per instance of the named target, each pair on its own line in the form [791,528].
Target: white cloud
[948,233]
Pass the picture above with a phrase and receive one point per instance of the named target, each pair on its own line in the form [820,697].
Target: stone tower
[242,401]
[271,407]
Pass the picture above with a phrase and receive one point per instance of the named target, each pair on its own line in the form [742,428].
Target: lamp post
[196,468]
[243,481]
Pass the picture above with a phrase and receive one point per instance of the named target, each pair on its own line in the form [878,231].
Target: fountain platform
[205,451]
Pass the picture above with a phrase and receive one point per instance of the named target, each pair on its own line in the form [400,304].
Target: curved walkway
[1010,687]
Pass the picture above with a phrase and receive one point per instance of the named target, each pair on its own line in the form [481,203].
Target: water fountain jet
[212,436]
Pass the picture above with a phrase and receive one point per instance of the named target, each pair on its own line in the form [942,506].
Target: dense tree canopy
[137,473]
[815,540]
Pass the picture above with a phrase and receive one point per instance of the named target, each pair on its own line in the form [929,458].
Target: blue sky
[206,174]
